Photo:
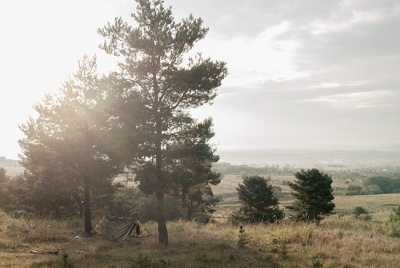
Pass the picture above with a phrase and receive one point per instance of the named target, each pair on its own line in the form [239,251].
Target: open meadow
[341,240]
[331,244]
[379,205]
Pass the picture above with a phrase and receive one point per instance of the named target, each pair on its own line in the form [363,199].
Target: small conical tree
[313,192]
[259,203]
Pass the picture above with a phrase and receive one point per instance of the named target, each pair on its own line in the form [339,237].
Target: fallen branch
[35,251]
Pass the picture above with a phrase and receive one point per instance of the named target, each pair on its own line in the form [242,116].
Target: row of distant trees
[245,170]
[135,119]
[376,185]
[312,192]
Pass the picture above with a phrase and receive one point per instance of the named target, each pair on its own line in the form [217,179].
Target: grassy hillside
[336,242]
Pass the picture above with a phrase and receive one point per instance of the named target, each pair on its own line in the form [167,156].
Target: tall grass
[336,242]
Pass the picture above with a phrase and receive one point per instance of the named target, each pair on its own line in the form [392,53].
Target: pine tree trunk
[87,213]
[162,225]
[189,215]
[161,221]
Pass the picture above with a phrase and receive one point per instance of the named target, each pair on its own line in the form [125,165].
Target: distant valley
[307,158]
[326,159]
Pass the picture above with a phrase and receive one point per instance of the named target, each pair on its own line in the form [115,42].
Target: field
[378,205]
[336,242]
[339,241]
[230,182]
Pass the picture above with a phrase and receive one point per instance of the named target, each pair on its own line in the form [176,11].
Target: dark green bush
[258,202]
[361,213]
[313,195]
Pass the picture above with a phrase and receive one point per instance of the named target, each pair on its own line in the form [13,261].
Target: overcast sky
[302,74]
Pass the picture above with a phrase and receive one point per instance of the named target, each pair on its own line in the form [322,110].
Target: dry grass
[336,242]
[381,203]
[19,236]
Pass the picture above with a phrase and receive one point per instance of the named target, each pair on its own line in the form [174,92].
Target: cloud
[335,85]
[355,100]
[342,88]
[250,18]
[321,26]
[254,60]
[299,71]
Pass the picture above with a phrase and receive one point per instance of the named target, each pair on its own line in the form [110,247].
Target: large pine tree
[154,66]
[65,148]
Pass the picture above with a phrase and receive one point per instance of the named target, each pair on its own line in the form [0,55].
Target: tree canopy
[258,201]
[66,153]
[313,195]
[155,67]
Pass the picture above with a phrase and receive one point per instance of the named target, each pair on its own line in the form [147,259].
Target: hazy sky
[305,73]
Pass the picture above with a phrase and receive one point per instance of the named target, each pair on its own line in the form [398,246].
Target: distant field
[230,182]
[379,205]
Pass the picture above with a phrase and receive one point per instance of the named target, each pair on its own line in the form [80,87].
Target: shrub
[361,213]
[354,190]
[393,225]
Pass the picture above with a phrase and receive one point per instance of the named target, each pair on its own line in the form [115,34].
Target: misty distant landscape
[339,159]
[315,158]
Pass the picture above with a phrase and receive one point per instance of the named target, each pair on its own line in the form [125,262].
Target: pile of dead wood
[117,228]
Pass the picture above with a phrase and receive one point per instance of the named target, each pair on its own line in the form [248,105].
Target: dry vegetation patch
[336,242]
